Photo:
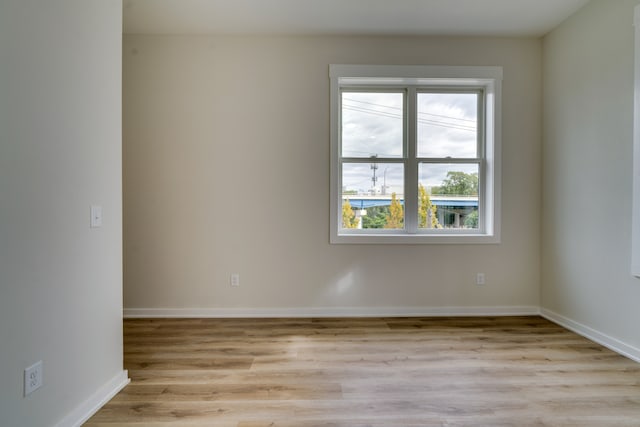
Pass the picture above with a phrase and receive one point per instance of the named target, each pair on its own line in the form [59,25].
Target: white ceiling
[348,17]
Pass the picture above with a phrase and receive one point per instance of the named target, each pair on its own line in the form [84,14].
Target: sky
[372,125]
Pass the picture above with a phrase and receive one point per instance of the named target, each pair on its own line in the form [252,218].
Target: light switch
[96,216]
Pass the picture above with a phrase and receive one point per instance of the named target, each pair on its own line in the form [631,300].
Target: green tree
[395,219]
[471,220]
[376,217]
[459,184]
[427,212]
[349,219]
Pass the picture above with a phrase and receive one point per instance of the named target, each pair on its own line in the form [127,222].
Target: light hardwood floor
[498,372]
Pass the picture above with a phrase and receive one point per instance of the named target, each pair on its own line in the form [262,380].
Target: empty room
[319,213]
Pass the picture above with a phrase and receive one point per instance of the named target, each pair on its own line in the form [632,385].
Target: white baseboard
[131,313]
[611,343]
[96,401]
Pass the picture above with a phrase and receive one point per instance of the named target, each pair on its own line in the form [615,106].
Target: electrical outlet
[480,279]
[33,378]
[235,279]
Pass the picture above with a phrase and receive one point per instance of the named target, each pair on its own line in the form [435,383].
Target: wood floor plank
[497,371]
[213,392]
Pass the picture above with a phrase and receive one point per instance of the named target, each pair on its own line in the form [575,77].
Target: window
[415,154]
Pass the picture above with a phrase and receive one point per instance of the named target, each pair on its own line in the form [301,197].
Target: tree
[395,219]
[459,184]
[349,219]
[376,217]
[427,212]
[471,220]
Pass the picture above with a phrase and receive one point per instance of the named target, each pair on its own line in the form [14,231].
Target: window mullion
[463,160]
[411,168]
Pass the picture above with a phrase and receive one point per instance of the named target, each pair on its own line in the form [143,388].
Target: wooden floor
[511,371]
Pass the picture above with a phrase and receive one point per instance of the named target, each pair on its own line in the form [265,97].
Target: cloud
[358,177]
[447,125]
[372,125]
[432,174]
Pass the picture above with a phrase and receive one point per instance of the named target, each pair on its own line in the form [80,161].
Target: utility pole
[374,168]
[384,181]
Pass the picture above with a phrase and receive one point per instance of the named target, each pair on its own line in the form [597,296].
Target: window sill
[415,239]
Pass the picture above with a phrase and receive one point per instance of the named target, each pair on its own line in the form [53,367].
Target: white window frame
[487,79]
[635,213]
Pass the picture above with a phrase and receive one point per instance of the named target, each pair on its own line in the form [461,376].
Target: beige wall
[226,169]
[60,152]
[587,174]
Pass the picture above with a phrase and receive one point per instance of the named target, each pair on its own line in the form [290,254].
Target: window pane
[372,124]
[448,195]
[373,195]
[447,125]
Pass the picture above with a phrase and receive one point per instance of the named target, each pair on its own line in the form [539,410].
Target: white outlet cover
[33,378]
[235,279]
[96,216]
[480,279]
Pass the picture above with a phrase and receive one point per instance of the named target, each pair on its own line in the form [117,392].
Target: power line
[362,109]
[400,108]
[371,111]
[420,121]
